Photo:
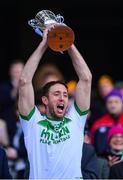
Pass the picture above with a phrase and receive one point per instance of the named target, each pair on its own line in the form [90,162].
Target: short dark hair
[46,87]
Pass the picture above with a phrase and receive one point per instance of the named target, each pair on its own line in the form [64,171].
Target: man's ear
[44,100]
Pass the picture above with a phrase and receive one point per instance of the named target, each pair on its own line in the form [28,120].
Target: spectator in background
[16,153]
[45,73]
[104,86]
[114,105]
[8,95]
[115,142]
[89,162]
[93,167]
[4,139]
[4,169]
[115,153]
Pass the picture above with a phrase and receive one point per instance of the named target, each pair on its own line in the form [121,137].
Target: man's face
[114,105]
[57,101]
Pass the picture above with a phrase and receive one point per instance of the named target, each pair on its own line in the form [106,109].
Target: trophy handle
[35,25]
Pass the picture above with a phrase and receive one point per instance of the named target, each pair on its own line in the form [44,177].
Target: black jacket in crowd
[116,171]
[89,163]
[4,170]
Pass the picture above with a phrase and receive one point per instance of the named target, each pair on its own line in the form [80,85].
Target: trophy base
[60,38]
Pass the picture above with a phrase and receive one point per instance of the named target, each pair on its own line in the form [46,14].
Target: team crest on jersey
[54,133]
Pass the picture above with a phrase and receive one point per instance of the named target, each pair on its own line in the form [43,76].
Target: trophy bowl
[60,37]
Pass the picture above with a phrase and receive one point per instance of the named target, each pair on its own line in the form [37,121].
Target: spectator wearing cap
[115,141]
[114,116]
[115,157]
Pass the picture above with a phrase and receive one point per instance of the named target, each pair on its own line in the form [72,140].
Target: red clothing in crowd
[106,120]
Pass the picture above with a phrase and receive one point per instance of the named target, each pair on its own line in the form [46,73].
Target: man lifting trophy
[61,37]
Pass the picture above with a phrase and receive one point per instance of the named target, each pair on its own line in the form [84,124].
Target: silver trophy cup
[61,37]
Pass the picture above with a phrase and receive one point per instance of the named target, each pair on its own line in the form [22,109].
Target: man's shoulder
[34,113]
[75,110]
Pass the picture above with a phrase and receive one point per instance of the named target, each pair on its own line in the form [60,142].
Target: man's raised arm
[83,89]
[26,92]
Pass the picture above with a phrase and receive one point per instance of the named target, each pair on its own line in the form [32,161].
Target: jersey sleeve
[27,122]
[77,115]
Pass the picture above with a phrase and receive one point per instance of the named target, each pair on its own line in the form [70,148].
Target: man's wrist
[71,47]
[43,45]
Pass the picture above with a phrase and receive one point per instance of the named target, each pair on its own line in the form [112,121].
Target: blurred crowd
[103,146]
